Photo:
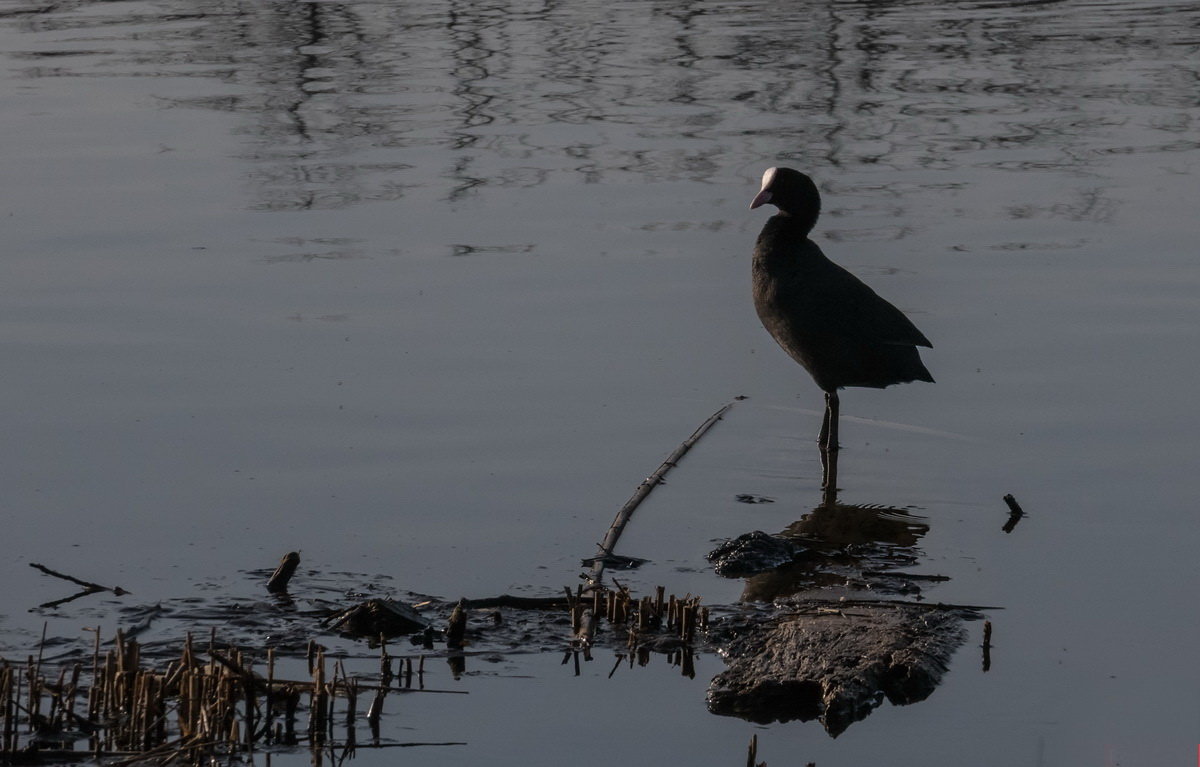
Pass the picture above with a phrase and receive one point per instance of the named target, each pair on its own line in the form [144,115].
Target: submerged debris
[753,553]
[615,562]
[819,661]
[1015,513]
[378,617]
[750,498]
[278,582]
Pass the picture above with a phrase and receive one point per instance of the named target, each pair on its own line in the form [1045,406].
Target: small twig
[88,585]
[987,646]
[55,603]
[93,587]
[609,543]
[617,665]
[88,588]
[1014,513]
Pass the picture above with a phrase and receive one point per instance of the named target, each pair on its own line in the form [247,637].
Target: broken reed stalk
[287,568]
[318,701]
[681,617]
[752,755]
[8,742]
[456,627]
[987,646]
[187,710]
[609,544]
[586,630]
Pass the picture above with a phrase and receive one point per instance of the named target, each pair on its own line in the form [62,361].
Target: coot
[839,329]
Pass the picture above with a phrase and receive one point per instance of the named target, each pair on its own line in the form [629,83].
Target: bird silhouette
[827,319]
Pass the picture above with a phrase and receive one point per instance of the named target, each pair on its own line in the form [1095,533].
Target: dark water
[425,289]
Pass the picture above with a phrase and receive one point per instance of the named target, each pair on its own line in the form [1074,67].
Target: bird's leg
[829,427]
[823,437]
[829,474]
[834,405]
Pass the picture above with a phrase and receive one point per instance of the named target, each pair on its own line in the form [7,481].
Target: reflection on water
[848,549]
[810,647]
[836,546]
[346,102]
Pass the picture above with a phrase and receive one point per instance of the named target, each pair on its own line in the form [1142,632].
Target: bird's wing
[838,303]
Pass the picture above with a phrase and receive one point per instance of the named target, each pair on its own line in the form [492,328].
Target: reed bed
[676,616]
[214,702]
[211,702]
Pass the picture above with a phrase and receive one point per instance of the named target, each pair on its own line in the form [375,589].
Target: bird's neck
[785,229]
[783,247]
[796,224]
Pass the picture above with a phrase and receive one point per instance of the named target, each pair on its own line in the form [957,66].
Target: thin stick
[987,646]
[86,584]
[648,484]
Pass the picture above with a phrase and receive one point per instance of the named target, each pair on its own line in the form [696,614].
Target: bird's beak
[762,198]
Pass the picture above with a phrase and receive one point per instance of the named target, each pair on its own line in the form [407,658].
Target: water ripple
[347,102]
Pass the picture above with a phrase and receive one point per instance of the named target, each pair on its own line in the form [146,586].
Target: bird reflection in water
[847,550]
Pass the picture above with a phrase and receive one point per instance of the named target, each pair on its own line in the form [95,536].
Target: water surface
[424,290]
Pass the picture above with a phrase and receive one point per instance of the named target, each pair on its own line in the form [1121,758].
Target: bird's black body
[839,329]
